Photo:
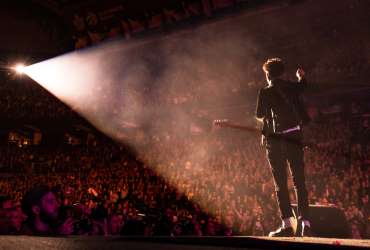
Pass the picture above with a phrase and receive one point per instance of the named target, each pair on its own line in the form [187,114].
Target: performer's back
[280,103]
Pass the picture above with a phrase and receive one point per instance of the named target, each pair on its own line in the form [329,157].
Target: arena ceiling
[64,8]
[46,26]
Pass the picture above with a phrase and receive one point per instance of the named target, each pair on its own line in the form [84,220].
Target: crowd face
[12,216]
[210,228]
[16,218]
[116,224]
[48,208]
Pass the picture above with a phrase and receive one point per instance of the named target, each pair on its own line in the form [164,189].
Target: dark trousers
[280,151]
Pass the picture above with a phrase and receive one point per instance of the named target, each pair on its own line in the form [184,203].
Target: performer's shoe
[282,232]
[307,232]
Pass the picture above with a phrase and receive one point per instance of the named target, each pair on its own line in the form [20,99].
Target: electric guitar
[227,124]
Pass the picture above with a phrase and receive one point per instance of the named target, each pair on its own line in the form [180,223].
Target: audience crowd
[25,100]
[218,184]
[132,17]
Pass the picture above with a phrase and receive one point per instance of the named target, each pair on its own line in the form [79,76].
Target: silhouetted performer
[280,109]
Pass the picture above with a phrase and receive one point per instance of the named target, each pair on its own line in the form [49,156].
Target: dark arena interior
[184,124]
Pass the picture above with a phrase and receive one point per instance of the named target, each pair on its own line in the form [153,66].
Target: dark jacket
[281,107]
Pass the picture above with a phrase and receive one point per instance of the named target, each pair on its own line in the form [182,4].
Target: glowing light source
[19,68]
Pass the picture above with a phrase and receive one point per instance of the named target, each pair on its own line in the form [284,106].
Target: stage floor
[325,241]
[178,243]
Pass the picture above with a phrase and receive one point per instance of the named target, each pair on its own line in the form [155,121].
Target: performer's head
[273,68]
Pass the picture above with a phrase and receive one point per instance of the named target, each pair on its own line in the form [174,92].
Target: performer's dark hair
[274,67]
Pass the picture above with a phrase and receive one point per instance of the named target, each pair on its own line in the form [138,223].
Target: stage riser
[328,222]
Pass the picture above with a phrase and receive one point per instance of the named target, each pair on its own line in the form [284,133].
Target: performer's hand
[300,74]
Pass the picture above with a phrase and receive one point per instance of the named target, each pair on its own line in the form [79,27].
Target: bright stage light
[19,68]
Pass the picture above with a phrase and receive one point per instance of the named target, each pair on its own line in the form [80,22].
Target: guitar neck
[242,127]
